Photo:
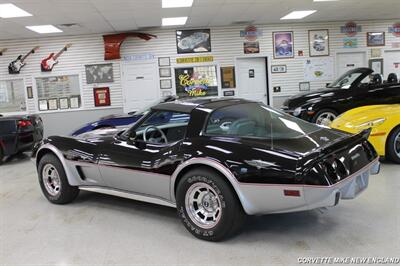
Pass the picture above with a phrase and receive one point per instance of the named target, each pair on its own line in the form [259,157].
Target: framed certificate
[164,61]
[53,104]
[74,102]
[166,84]
[43,105]
[64,103]
[165,72]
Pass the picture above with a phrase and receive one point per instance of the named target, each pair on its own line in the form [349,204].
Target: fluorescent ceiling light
[44,29]
[299,14]
[176,3]
[12,11]
[174,21]
[325,0]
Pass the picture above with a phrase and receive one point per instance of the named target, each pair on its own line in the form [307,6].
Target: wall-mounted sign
[350,29]
[350,42]
[376,52]
[198,81]
[277,89]
[192,60]
[251,47]
[318,69]
[250,33]
[251,73]
[138,57]
[395,29]
[278,69]
[101,96]
[193,41]
[229,93]
[228,77]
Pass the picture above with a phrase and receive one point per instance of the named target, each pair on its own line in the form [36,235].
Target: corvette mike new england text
[349,260]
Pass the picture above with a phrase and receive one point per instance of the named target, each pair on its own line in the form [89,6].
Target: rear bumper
[260,199]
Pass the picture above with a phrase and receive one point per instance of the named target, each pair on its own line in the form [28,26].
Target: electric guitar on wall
[15,66]
[47,64]
[2,51]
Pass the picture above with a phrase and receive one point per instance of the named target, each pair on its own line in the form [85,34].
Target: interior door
[139,84]
[346,61]
[252,79]
[391,63]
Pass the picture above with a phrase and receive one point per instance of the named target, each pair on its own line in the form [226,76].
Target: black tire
[66,193]
[391,153]
[321,112]
[231,216]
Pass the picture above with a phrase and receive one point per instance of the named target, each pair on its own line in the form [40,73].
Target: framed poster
[29,92]
[63,103]
[165,72]
[101,96]
[99,73]
[74,102]
[304,86]
[228,77]
[318,42]
[164,61]
[53,104]
[278,69]
[193,41]
[376,38]
[283,44]
[319,69]
[376,65]
[43,105]
[165,84]
[196,81]
[251,47]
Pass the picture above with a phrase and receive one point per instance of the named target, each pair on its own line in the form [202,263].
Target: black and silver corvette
[214,160]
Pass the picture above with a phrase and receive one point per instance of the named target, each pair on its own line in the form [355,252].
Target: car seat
[376,79]
[242,127]
[392,78]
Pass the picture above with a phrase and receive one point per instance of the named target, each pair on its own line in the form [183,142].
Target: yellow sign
[197,59]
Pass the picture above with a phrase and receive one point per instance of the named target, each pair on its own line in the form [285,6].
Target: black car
[214,160]
[19,134]
[353,89]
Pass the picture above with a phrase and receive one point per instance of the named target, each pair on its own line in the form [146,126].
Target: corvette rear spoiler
[308,161]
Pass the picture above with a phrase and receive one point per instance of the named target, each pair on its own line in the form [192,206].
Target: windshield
[256,120]
[346,80]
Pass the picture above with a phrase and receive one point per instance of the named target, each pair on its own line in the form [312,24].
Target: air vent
[243,22]
[69,26]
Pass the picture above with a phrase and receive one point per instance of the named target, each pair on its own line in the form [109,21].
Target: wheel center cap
[208,203]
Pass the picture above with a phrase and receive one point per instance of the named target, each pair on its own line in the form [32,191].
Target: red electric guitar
[47,64]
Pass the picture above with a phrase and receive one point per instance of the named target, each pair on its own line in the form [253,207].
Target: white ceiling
[99,16]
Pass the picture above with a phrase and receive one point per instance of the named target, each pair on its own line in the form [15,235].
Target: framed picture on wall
[193,41]
[101,96]
[376,38]
[278,69]
[29,92]
[318,42]
[283,44]
[376,65]
[64,103]
[43,105]
[99,73]
[165,72]
[165,84]
[164,61]
[53,104]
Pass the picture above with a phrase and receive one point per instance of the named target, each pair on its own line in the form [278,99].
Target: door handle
[139,77]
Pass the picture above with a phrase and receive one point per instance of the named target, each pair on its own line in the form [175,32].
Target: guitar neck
[59,53]
[25,56]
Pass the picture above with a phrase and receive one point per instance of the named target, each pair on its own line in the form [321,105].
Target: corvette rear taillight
[24,123]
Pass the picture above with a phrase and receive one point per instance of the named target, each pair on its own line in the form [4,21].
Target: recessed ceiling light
[299,14]
[12,11]
[44,29]
[174,21]
[176,3]
[325,0]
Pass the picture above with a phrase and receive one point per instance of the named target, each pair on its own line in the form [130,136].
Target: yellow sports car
[385,123]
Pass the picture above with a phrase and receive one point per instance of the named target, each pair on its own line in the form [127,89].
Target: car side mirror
[131,138]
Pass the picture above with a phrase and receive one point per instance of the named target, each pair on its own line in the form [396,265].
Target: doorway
[348,60]
[252,79]
[139,84]
[391,62]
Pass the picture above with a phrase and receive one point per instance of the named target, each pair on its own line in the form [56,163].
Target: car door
[144,165]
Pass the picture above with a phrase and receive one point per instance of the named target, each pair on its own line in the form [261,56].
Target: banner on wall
[318,69]
[197,81]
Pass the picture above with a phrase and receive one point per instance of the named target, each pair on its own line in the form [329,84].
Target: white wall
[226,45]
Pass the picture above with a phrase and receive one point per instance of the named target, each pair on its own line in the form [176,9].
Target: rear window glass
[256,120]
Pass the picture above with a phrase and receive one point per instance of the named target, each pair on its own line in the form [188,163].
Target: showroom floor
[104,230]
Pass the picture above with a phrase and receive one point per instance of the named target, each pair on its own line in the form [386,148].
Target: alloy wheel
[51,180]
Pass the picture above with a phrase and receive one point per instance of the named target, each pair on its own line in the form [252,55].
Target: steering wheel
[156,128]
